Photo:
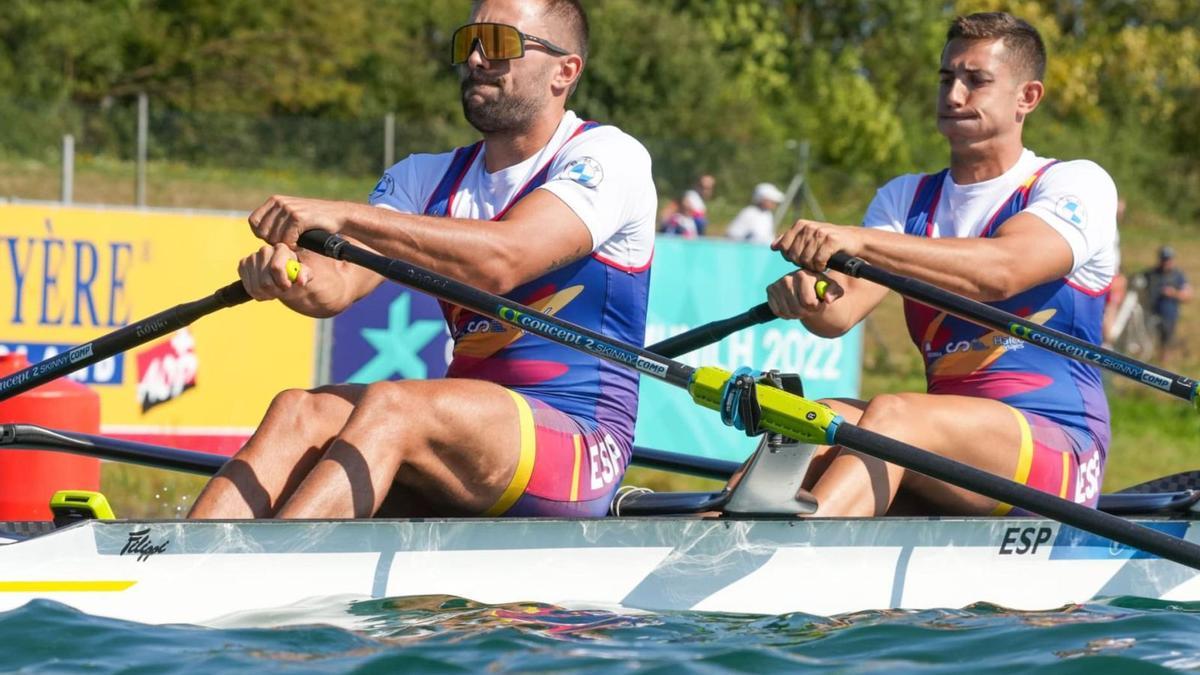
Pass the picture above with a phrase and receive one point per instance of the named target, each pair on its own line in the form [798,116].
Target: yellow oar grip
[293,269]
[820,287]
[793,416]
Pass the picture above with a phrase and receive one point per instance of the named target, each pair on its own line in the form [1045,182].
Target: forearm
[978,268]
[458,248]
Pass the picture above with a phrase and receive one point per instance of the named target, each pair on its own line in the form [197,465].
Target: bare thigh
[980,432]
[451,445]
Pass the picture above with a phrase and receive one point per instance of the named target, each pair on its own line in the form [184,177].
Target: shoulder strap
[540,177]
[439,201]
[1016,202]
[919,220]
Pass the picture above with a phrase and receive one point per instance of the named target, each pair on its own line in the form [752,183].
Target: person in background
[674,222]
[695,202]
[756,223]
[1167,288]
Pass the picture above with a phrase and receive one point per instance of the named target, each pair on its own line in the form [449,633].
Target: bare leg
[453,443]
[979,432]
[294,433]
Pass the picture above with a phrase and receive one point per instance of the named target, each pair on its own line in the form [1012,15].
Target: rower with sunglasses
[547,209]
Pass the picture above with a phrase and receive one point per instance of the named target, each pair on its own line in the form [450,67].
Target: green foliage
[721,86]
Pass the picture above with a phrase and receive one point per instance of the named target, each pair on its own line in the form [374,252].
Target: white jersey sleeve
[889,209]
[406,185]
[604,176]
[1079,200]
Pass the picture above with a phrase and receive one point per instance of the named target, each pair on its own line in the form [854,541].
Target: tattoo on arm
[578,253]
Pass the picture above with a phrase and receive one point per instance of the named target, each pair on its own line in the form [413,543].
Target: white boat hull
[203,572]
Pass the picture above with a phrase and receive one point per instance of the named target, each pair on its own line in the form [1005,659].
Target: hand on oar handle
[801,293]
[271,272]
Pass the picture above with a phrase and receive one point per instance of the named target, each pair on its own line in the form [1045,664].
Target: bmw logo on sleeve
[585,171]
[383,188]
[1070,209]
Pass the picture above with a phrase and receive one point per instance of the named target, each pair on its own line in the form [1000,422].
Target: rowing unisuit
[577,412]
[1058,402]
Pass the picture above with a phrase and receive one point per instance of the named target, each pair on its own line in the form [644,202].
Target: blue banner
[694,282]
[395,333]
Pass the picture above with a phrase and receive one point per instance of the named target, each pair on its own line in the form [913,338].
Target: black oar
[1056,341]
[26,436]
[714,331]
[704,467]
[709,333]
[126,337]
[781,412]
[32,436]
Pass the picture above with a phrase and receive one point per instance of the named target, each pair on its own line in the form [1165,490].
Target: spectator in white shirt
[756,223]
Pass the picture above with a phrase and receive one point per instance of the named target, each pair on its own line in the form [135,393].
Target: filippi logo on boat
[166,370]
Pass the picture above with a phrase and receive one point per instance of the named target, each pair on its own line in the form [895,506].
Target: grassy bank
[102,180]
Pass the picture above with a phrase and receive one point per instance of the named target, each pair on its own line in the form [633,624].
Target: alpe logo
[166,370]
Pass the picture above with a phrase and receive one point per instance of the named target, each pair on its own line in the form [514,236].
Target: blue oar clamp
[739,402]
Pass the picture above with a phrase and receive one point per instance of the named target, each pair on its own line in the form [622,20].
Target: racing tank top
[966,359]
[593,292]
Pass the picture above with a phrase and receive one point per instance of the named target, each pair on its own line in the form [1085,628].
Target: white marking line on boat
[101,586]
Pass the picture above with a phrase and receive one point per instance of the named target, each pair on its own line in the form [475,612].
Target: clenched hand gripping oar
[990,317]
[781,412]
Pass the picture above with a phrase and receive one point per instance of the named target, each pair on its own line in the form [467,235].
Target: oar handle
[1049,339]
[123,338]
[711,332]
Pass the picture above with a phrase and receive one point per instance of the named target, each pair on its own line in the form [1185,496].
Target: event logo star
[398,347]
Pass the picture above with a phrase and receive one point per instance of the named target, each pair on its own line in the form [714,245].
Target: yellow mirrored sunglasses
[499,42]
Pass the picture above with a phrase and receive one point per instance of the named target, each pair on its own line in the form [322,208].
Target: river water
[444,634]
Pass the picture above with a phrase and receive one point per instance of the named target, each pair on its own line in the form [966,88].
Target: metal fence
[136,135]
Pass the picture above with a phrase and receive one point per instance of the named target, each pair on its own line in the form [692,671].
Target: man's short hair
[572,17]
[1026,50]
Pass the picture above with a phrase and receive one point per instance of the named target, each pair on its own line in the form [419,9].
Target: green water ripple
[438,634]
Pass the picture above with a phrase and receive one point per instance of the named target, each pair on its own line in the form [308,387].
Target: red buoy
[28,478]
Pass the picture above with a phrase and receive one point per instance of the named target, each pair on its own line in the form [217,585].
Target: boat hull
[207,572]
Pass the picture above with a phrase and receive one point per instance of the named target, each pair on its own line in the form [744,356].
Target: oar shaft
[503,309]
[1010,492]
[709,333]
[1047,338]
[32,436]
[704,467]
[126,337]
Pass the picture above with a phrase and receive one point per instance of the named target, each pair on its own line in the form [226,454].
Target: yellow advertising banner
[68,275]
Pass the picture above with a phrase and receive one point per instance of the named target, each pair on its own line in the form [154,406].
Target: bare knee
[311,417]
[394,414]
[889,414]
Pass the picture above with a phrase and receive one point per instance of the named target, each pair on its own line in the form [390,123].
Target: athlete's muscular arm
[1025,252]
[538,234]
